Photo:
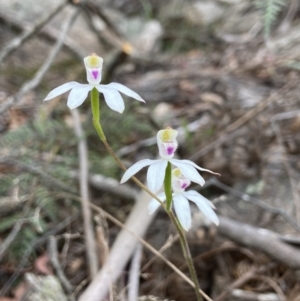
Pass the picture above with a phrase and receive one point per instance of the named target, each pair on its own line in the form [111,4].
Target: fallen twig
[134,274]
[10,238]
[247,198]
[47,33]
[260,239]
[110,185]
[241,281]
[35,81]
[84,192]
[52,251]
[18,41]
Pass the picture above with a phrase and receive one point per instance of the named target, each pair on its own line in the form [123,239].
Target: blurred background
[225,73]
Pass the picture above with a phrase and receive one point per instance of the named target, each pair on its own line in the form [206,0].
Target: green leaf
[270,10]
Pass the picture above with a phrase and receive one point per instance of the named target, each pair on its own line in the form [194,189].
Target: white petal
[188,171]
[204,206]
[123,89]
[183,211]
[78,95]
[194,193]
[136,168]
[61,90]
[199,168]
[154,204]
[112,97]
[156,175]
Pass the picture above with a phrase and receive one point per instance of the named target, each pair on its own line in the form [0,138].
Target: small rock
[203,13]
[212,98]
[162,113]
[46,288]
[144,36]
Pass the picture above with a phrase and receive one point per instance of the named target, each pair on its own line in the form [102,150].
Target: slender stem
[168,187]
[167,183]
[95,104]
[183,241]
[96,113]
[186,253]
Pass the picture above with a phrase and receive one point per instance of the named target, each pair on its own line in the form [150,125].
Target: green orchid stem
[168,189]
[183,241]
[187,254]
[96,113]
[95,104]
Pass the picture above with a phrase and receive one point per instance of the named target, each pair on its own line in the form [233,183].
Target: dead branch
[259,238]
[35,81]
[11,237]
[29,32]
[241,281]
[49,34]
[52,251]
[134,276]
[84,192]
[247,198]
[110,185]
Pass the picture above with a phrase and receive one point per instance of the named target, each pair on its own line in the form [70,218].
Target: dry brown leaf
[41,265]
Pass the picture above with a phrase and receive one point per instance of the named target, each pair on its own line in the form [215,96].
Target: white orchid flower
[79,92]
[167,145]
[181,198]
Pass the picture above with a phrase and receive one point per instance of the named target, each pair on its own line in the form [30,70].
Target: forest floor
[205,68]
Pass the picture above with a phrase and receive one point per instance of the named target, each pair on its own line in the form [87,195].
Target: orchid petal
[183,211]
[112,98]
[203,205]
[199,168]
[154,204]
[188,171]
[156,175]
[196,194]
[136,168]
[123,89]
[61,90]
[78,95]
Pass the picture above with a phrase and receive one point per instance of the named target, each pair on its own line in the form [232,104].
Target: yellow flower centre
[168,135]
[94,61]
[177,173]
